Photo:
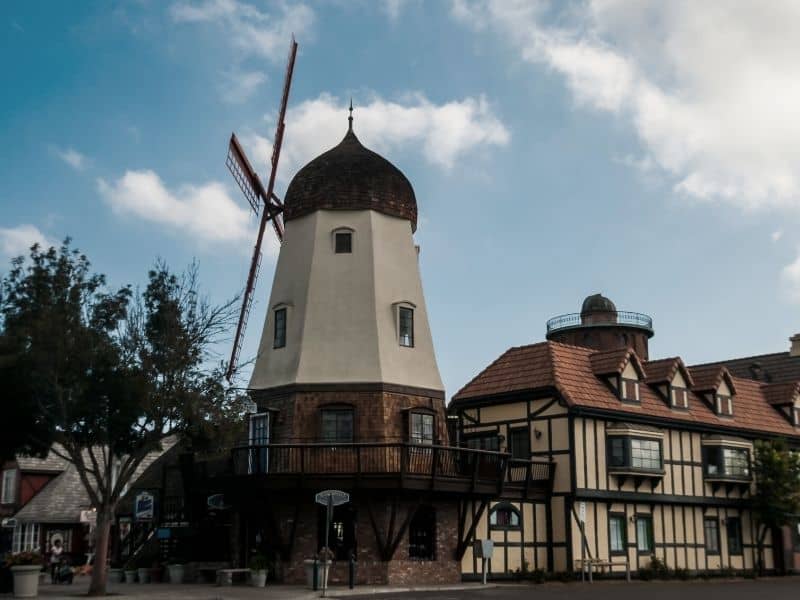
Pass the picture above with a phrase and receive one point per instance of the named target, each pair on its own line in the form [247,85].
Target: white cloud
[776,235]
[443,132]
[250,30]
[16,241]
[711,92]
[238,86]
[206,211]
[393,8]
[72,157]
[790,275]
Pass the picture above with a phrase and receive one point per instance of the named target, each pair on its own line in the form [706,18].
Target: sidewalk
[164,591]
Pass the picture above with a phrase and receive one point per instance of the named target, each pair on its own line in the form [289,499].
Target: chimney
[795,349]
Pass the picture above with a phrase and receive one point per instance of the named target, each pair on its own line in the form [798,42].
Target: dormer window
[796,416]
[629,389]
[724,405]
[679,397]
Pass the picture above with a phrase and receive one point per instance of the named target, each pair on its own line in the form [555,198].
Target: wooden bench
[225,576]
[591,564]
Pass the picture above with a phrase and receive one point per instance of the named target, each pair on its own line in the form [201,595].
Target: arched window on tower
[504,516]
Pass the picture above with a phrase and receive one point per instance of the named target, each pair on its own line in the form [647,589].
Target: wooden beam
[401,532]
[464,542]
[379,540]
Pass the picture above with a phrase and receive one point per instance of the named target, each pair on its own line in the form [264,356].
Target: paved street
[775,589]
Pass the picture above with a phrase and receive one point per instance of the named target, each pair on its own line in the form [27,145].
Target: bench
[225,576]
[592,564]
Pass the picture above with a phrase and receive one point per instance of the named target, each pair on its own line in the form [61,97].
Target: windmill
[256,195]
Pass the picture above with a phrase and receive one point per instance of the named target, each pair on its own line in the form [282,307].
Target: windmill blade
[244,175]
[272,206]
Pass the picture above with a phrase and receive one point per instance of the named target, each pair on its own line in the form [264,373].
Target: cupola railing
[600,319]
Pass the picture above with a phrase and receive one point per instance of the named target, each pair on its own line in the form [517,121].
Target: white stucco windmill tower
[347,322]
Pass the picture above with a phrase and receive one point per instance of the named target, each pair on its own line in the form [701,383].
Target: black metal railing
[402,460]
[600,319]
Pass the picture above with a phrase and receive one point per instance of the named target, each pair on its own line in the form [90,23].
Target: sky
[646,150]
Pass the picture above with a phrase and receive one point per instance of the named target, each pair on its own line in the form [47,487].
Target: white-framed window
[8,494]
[406,326]
[25,538]
[421,428]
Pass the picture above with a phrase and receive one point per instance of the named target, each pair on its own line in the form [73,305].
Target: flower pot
[322,573]
[26,580]
[144,575]
[116,575]
[130,575]
[175,573]
[258,577]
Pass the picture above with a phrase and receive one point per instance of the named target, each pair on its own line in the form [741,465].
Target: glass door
[258,441]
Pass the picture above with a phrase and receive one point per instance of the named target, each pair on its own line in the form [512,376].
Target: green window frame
[617,534]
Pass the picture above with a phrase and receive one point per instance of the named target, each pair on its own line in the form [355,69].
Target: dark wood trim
[457,404]
[296,388]
[464,541]
[655,499]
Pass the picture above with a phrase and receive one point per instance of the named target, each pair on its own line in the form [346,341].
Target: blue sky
[647,151]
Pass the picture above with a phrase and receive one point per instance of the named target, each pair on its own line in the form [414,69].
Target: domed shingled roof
[597,303]
[350,177]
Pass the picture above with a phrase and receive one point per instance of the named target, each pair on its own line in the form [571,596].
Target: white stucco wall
[341,317]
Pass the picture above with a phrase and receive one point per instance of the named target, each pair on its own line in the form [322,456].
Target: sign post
[582,521]
[329,499]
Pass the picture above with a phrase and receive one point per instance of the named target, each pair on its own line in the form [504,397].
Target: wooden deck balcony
[389,466]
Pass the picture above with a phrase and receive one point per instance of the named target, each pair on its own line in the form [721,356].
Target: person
[56,550]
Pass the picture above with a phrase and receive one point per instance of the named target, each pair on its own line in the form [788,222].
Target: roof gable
[709,379]
[664,370]
[614,362]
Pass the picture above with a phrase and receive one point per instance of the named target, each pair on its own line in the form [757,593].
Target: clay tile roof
[781,393]
[350,177]
[517,369]
[771,368]
[709,377]
[570,370]
[664,369]
[608,362]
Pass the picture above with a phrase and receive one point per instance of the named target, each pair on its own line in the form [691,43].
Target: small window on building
[406,326]
[8,494]
[711,529]
[488,441]
[258,438]
[724,405]
[733,527]
[644,534]
[504,516]
[343,242]
[280,328]
[680,397]
[422,534]
[520,443]
[634,453]
[421,428]
[629,389]
[726,462]
[25,538]
[337,425]
[616,534]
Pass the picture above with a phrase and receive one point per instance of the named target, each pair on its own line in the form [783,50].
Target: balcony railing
[394,461]
[600,319]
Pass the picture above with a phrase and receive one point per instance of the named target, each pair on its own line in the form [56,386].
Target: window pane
[422,534]
[736,462]
[711,527]
[644,534]
[344,242]
[519,440]
[406,326]
[616,530]
[504,516]
[645,454]
[734,530]
[280,328]
[337,425]
[616,452]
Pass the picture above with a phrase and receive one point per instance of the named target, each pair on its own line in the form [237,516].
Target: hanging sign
[144,507]
[332,498]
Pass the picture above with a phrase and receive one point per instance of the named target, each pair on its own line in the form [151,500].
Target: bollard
[352,573]
[315,587]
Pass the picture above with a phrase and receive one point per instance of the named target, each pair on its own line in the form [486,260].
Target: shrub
[259,562]
[538,576]
[682,574]
[23,558]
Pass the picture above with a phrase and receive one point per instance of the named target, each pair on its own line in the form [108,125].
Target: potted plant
[130,572]
[258,570]
[323,561]
[25,567]
[176,571]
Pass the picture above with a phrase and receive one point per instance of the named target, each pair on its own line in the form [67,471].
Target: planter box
[116,575]
[258,578]
[322,573]
[26,580]
[130,575]
[176,573]
[144,575]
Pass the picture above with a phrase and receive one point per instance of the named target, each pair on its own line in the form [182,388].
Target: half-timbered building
[653,457]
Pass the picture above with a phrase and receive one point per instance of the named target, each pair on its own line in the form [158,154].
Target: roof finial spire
[350,118]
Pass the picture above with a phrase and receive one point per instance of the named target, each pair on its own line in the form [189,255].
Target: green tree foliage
[777,495]
[108,375]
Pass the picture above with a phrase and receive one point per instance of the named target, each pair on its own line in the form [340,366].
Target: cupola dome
[597,303]
[350,177]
